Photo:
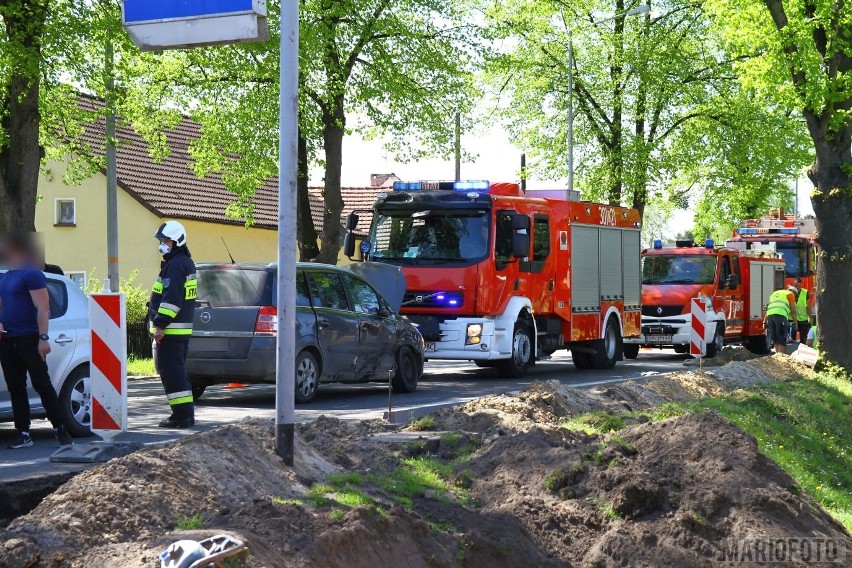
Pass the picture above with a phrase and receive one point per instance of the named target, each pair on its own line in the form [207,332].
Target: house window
[66,212]
[78,277]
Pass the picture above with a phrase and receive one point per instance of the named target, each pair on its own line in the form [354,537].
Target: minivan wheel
[407,372]
[307,377]
[198,390]
[75,402]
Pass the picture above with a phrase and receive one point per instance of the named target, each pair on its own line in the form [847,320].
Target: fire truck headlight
[474,333]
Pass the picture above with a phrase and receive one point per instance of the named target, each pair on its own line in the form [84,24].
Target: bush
[136,296]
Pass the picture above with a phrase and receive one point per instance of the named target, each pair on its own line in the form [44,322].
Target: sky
[496,159]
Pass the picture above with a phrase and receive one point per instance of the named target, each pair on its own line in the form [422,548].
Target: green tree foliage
[798,53]
[401,68]
[660,113]
[136,297]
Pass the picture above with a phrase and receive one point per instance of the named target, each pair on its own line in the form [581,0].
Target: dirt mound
[726,355]
[663,494]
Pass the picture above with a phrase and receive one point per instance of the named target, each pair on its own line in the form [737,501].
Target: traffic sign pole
[285,392]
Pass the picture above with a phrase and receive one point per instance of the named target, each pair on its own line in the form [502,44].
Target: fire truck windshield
[795,259]
[430,235]
[678,269]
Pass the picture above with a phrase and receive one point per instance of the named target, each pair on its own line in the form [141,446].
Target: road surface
[443,383]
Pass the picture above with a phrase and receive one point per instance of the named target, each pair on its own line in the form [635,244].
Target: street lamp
[643,9]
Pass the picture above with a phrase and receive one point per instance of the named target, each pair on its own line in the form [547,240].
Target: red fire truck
[502,277]
[736,285]
[789,236]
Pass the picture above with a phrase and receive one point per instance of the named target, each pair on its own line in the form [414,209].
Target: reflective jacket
[802,305]
[172,304]
[779,304]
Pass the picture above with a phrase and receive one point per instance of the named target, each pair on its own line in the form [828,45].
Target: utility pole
[458,146]
[570,115]
[285,391]
[112,197]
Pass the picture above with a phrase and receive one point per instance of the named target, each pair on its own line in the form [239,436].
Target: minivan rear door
[228,303]
[337,324]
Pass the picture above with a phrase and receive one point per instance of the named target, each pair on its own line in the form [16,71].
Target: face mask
[165,249]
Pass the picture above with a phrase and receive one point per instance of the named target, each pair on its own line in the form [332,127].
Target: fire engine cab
[501,277]
[792,238]
[735,284]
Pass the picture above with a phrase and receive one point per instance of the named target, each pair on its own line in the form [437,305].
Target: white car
[68,362]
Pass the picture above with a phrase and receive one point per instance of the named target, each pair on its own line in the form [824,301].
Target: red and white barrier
[697,343]
[107,318]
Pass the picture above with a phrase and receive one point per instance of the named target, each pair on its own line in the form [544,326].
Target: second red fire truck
[503,277]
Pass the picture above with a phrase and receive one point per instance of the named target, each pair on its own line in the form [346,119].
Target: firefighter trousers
[170,361]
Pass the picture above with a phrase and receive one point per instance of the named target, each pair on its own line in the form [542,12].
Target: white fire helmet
[172,230]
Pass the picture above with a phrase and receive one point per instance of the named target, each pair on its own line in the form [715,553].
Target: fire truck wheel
[607,350]
[631,350]
[681,349]
[485,364]
[718,342]
[407,372]
[516,366]
[581,360]
[758,344]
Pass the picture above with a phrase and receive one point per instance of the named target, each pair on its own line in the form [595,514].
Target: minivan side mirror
[520,236]
[384,311]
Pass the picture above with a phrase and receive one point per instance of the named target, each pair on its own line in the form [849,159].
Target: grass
[140,367]
[803,426]
[189,523]
[424,424]
[292,502]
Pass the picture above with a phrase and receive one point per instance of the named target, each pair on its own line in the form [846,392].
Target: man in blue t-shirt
[24,343]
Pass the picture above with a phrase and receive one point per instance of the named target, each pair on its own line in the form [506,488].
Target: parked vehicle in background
[735,283]
[791,237]
[348,330]
[503,277]
[68,361]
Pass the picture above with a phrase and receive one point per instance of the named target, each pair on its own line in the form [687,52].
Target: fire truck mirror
[351,221]
[733,281]
[349,244]
[520,236]
[520,222]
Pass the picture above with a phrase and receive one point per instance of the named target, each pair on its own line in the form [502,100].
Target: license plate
[430,347]
[659,339]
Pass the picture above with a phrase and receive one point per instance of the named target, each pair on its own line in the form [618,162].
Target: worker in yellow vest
[813,338]
[801,295]
[781,309]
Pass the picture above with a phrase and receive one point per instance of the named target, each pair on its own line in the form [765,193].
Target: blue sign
[146,10]
[174,24]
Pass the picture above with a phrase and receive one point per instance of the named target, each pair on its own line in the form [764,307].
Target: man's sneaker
[22,441]
[173,422]
[62,435]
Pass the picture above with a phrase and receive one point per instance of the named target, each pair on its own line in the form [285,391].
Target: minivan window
[327,291]
[364,298]
[303,295]
[233,287]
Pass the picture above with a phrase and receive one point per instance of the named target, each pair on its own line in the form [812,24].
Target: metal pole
[458,146]
[796,203]
[112,198]
[570,114]
[285,391]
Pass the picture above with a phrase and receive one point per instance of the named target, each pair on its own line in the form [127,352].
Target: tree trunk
[20,156]
[616,72]
[833,207]
[334,124]
[308,239]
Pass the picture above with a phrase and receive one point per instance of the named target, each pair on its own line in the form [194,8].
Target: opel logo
[659,311]
[418,299]
[206,317]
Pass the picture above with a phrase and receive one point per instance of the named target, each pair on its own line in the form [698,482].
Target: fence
[138,340]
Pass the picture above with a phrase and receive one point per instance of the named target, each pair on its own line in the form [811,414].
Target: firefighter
[781,309]
[801,295]
[171,312]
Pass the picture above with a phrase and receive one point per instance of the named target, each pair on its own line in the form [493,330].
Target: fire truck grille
[433,299]
[661,311]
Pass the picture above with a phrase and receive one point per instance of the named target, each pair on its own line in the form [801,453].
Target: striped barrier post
[107,317]
[697,343]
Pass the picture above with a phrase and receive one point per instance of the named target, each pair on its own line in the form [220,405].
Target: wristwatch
[44,337]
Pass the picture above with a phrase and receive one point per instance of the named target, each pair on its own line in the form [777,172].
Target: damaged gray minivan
[348,327]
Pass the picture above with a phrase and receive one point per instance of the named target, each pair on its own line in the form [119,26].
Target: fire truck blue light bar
[754,231]
[462,186]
